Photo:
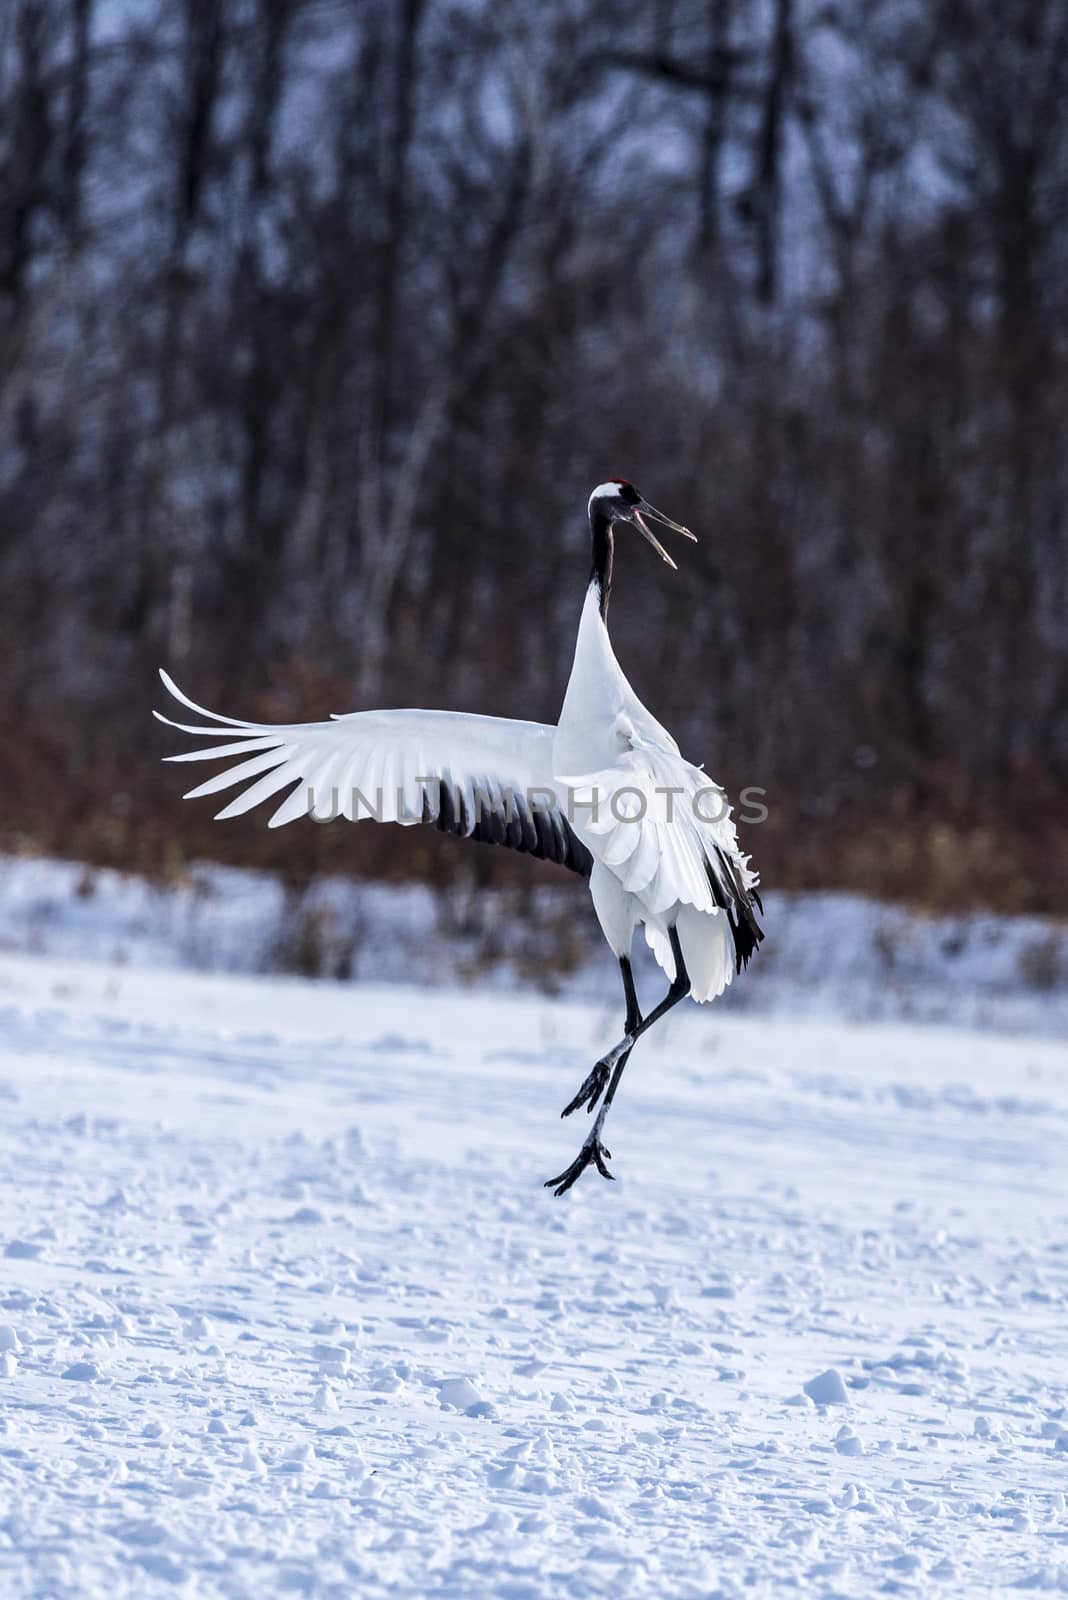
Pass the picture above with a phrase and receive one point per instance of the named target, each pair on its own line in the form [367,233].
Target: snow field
[285,1310]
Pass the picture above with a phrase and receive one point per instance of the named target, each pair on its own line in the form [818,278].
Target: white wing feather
[660,825]
[656,822]
[338,767]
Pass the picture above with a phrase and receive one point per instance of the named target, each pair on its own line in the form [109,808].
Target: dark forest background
[319,319]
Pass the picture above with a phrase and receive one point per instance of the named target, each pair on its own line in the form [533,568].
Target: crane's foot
[593,1151]
[594,1085]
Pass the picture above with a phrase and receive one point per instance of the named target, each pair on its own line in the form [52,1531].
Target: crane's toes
[593,1151]
[600,1156]
[594,1084]
[591,1090]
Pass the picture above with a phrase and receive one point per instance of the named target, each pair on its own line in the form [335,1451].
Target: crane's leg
[614,1062]
[593,1087]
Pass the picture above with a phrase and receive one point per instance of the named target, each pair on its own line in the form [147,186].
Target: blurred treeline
[320,318]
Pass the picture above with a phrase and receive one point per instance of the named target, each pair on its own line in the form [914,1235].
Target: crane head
[619,501]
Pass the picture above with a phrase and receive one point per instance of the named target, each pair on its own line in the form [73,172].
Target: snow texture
[285,1310]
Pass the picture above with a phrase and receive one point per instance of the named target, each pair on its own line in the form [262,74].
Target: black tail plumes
[737,901]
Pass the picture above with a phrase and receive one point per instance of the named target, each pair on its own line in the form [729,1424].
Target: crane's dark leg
[593,1087]
[614,1062]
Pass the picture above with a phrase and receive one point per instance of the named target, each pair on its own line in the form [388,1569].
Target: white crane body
[606,793]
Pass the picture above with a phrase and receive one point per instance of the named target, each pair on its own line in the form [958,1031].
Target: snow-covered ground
[825,954]
[285,1310]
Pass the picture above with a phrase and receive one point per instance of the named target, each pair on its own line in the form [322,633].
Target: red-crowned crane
[605,792]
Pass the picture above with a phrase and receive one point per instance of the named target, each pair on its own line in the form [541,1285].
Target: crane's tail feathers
[733,886]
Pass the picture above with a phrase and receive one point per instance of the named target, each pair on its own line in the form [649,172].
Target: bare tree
[318,320]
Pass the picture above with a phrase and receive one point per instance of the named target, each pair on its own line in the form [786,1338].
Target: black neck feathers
[603,546]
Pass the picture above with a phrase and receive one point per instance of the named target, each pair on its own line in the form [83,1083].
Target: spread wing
[483,778]
[666,832]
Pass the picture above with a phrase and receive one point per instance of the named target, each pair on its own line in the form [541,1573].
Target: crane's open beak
[658,516]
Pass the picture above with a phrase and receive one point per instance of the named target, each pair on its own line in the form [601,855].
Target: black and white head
[616,500]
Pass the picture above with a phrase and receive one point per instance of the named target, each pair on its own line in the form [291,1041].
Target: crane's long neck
[597,688]
[603,550]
